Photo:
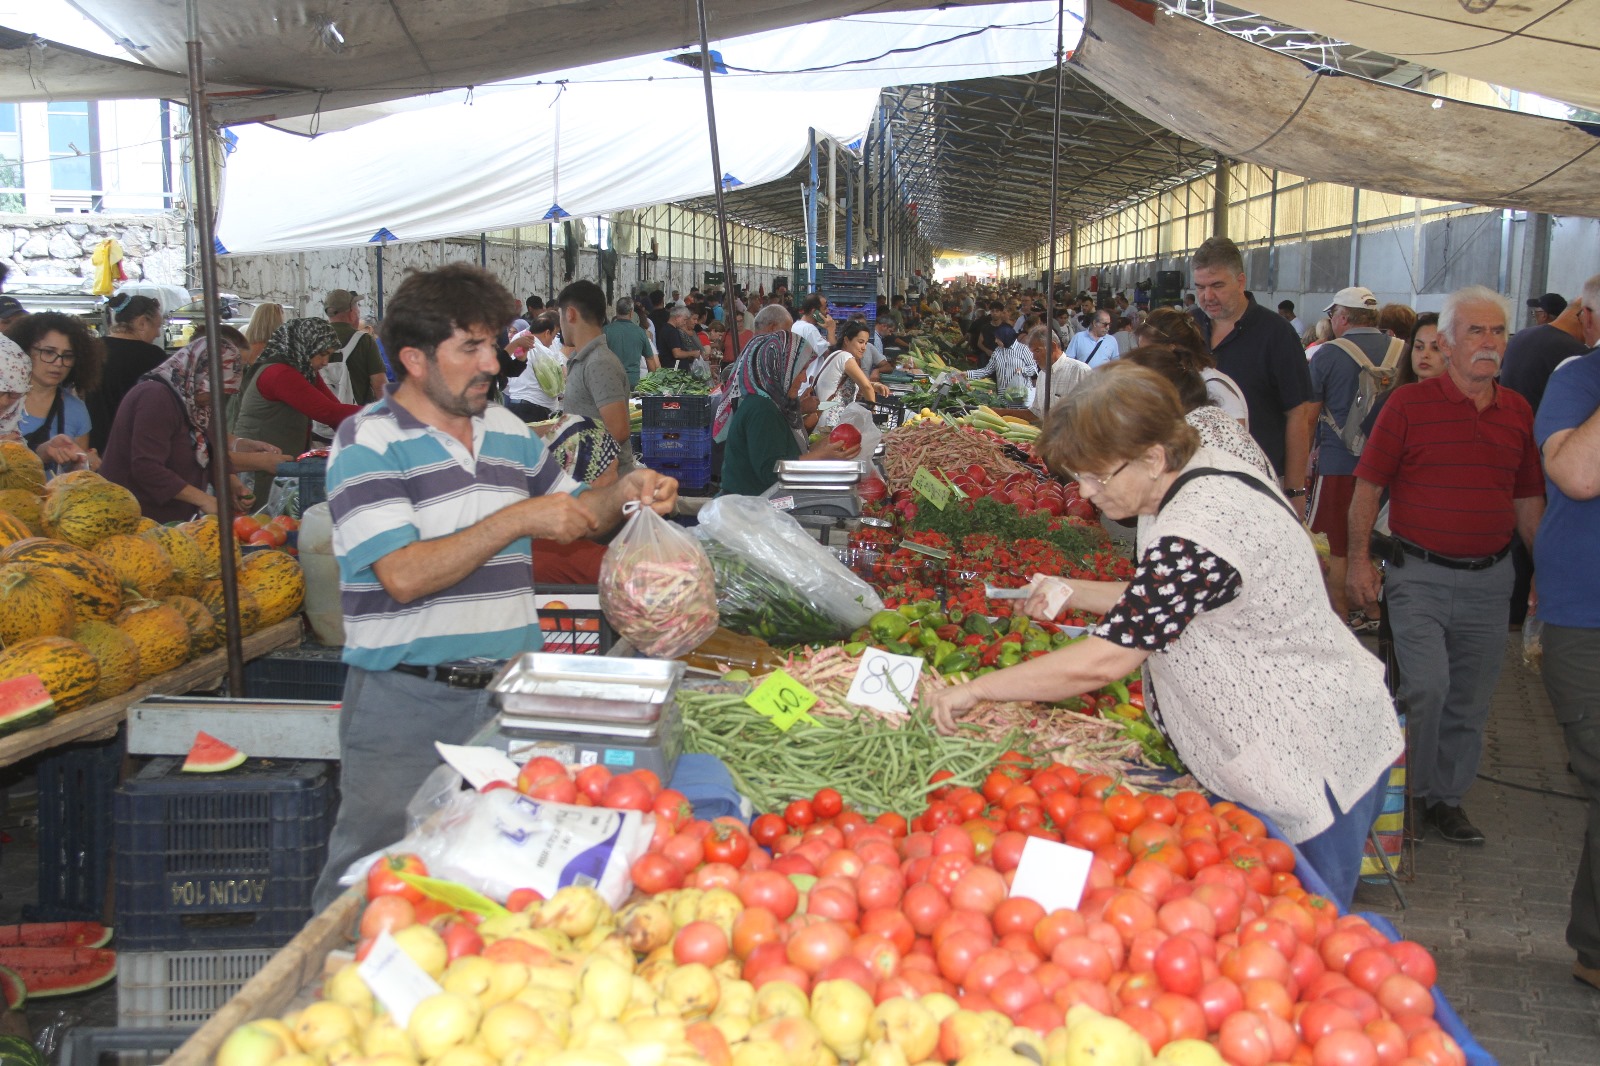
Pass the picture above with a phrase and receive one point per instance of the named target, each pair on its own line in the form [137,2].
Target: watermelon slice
[59,971]
[24,702]
[210,755]
[11,984]
[55,935]
[16,1051]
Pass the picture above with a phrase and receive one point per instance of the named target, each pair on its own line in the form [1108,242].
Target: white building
[111,156]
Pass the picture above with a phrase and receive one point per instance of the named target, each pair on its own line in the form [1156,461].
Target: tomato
[980,889]
[460,939]
[958,953]
[1025,817]
[1415,961]
[767,828]
[1219,998]
[1177,966]
[894,823]
[1125,812]
[523,898]
[1129,913]
[878,953]
[1089,830]
[827,803]
[382,879]
[1279,934]
[954,840]
[1014,992]
[1347,1047]
[1183,1017]
[1388,1039]
[245,526]
[1339,946]
[879,886]
[1244,1040]
[1016,915]
[702,942]
[685,851]
[1006,853]
[1085,958]
[996,785]
[674,806]
[811,949]
[799,814]
[1060,806]
[1159,808]
[727,844]
[385,914]
[592,781]
[770,890]
[655,872]
[891,925]
[753,927]
[934,791]
[1055,927]
[837,904]
[1400,994]
[946,870]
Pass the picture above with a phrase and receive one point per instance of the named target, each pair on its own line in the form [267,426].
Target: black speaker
[1168,290]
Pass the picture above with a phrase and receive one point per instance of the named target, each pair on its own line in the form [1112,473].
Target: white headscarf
[15,371]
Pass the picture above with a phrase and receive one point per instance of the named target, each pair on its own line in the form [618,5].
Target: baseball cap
[1354,296]
[1552,303]
[339,301]
[10,307]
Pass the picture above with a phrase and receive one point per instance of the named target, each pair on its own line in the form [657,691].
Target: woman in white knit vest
[1263,691]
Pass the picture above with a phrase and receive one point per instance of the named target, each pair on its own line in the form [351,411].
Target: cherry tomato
[827,803]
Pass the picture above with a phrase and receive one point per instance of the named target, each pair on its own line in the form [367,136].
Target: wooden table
[98,721]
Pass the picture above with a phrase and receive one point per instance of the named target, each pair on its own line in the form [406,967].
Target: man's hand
[651,489]
[559,517]
[1363,584]
[240,444]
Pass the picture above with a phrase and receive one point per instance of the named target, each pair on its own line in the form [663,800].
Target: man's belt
[1450,562]
[464,676]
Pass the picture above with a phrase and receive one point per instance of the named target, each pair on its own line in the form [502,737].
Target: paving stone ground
[1495,916]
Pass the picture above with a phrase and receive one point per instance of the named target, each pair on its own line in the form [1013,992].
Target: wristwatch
[1292,493]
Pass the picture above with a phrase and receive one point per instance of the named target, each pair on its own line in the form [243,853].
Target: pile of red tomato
[1193,924]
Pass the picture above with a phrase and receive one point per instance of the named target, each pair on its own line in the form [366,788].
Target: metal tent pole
[200,139]
[731,336]
[1055,178]
[811,216]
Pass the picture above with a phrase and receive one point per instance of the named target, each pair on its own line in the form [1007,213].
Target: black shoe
[1453,824]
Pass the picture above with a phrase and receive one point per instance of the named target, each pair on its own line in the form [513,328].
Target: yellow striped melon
[33,604]
[74,478]
[140,564]
[146,525]
[205,533]
[12,529]
[249,608]
[115,652]
[94,586]
[87,513]
[23,505]
[202,626]
[161,634]
[20,468]
[278,584]
[65,666]
[188,559]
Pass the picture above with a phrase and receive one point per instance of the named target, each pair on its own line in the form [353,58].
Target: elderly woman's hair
[264,322]
[1320,332]
[1178,366]
[1117,413]
[1177,329]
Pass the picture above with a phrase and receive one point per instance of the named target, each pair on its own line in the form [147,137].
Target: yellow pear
[1102,1041]
[424,947]
[691,990]
[1190,1053]
[323,1022]
[841,1010]
[607,985]
[573,910]
[465,1055]
[347,987]
[251,1045]
[907,1024]
[385,1037]
[468,975]
[442,1021]
[508,1025]
[760,1053]
[780,999]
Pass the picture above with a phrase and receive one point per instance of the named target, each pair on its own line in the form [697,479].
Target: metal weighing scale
[819,493]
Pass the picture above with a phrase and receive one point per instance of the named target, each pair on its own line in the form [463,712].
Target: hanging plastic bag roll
[657,587]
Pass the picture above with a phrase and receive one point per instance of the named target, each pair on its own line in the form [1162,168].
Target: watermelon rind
[82,934]
[60,971]
[18,1051]
[16,991]
[24,703]
[209,755]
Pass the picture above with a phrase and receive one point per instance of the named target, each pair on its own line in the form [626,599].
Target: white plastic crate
[181,989]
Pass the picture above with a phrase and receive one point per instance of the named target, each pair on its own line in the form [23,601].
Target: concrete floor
[1494,916]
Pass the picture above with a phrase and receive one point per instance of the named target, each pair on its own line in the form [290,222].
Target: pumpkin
[202,626]
[65,666]
[94,586]
[140,564]
[24,506]
[277,582]
[161,634]
[115,652]
[188,559]
[33,604]
[84,514]
[20,468]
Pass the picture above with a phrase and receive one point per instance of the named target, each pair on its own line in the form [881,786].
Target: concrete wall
[59,246]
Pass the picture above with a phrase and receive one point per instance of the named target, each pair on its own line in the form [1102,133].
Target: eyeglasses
[52,355]
[1097,482]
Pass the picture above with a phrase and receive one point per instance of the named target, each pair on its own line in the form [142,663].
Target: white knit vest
[1270,696]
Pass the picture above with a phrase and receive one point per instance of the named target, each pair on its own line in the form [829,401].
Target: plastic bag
[500,841]
[1533,642]
[860,417]
[657,588]
[774,580]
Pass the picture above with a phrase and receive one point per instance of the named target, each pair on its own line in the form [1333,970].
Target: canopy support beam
[1055,180]
[811,214]
[731,336]
[205,226]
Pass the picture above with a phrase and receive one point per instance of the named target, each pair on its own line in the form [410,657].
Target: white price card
[1052,875]
[399,983]
[479,765]
[782,503]
[885,682]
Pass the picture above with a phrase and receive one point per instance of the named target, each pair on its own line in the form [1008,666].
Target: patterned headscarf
[766,367]
[584,448]
[296,341]
[188,373]
[15,371]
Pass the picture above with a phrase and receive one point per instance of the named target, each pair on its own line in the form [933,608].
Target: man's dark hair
[897,301]
[1286,305]
[812,303]
[431,305]
[658,299]
[535,303]
[90,356]
[1218,252]
[588,298]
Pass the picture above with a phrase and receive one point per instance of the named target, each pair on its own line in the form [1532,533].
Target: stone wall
[59,246]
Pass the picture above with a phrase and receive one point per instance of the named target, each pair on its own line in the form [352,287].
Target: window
[74,144]
[10,158]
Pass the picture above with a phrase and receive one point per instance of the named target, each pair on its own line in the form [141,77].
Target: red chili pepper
[973,640]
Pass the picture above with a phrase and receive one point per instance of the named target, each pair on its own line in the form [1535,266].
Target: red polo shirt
[1451,469]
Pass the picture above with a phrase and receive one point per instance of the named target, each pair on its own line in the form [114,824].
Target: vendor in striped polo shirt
[436,495]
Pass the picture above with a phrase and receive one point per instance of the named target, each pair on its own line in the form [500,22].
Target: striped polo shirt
[1452,471]
[393,480]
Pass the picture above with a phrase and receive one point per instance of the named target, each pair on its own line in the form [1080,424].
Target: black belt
[453,676]
[1450,562]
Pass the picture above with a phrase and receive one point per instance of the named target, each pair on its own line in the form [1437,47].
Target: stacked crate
[676,439]
[849,292]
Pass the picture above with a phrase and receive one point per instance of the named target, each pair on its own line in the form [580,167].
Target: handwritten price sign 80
[885,682]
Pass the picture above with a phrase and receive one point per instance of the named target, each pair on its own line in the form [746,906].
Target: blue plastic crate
[219,860]
[309,672]
[676,445]
[674,412]
[842,311]
[313,475]
[691,473]
[76,786]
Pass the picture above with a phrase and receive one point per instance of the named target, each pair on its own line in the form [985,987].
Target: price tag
[399,983]
[1052,875]
[783,699]
[930,488]
[782,503]
[885,682]
[480,766]
[925,549]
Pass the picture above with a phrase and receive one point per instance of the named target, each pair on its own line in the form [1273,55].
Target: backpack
[1374,382]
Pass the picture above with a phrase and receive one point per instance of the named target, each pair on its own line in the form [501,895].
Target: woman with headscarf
[287,392]
[15,368]
[159,447]
[765,424]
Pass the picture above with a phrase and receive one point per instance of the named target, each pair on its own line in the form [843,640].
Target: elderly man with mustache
[1459,460]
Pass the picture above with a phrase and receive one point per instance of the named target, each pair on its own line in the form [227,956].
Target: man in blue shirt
[1565,553]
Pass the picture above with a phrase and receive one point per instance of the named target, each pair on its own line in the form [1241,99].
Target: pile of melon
[95,598]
